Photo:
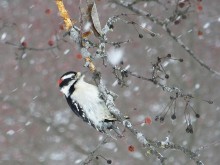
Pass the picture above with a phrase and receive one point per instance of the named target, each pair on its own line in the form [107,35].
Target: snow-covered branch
[150,145]
[163,24]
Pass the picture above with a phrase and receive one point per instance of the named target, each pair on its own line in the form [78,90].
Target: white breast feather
[87,96]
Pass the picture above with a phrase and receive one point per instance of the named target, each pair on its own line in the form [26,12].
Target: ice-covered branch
[150,145]
[170,33]
[109,100]
[83,44]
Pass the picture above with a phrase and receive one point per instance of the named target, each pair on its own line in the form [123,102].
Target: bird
[84,100]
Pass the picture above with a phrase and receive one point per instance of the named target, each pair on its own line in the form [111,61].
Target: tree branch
[146,143]
[172,35]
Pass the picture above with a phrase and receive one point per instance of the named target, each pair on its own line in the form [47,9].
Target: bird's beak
[79,74]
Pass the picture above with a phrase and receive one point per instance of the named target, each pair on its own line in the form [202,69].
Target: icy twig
[170,33]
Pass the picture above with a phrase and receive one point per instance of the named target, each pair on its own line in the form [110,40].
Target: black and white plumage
[83,98]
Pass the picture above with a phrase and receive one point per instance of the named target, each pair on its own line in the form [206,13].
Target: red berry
[200,33]
[176,22]
[181,4]
[199,7]
[79,56]
[24,44]
[48,11]
[61,27]
[50,43]
[148,120]
[131,148]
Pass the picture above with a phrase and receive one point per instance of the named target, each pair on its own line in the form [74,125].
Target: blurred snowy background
[36,124]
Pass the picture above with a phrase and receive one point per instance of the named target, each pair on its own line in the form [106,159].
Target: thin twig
[172,35]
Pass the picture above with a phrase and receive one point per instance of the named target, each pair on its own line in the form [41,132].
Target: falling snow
[3,36]
[110,146]
[197,86]
[62,117]
[66,51]
[205,26]
[11,132]
[28,123]
[48,129]
[115,83]
[87,26]
[78,161]
[115,55]
[36,124]
[22,39]
[57,156]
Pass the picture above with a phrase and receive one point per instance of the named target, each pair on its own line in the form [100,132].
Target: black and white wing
[78,110]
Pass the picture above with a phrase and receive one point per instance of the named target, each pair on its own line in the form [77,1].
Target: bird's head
[67,82]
